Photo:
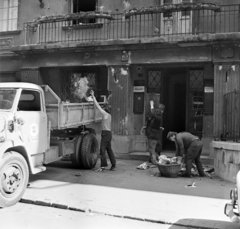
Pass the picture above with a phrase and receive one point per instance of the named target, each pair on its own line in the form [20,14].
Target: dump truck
[37,128]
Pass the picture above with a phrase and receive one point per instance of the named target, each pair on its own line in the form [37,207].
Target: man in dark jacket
[190,147]
[153,130]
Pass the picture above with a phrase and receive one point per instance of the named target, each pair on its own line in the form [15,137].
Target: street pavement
[40,217]
[133,194]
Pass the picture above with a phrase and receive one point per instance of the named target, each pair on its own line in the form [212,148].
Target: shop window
[197,101]
[84,6]
[8,15]
[154,81]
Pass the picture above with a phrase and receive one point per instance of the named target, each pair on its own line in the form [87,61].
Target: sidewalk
[132,193]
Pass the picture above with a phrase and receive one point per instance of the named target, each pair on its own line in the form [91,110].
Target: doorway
[175,100]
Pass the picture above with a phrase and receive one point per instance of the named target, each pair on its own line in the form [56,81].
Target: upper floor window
[186,13]
[167,14]
[84,6]
[8,15]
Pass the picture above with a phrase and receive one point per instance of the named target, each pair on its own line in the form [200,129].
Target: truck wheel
[76,156]
[89,150]
[14,175]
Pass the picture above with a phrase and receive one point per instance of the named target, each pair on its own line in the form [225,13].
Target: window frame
[186,14]
[8,26]
[88,21]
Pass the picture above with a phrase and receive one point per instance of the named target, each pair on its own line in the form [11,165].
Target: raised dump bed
[69,115]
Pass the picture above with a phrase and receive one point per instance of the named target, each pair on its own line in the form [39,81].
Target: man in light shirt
[106,136]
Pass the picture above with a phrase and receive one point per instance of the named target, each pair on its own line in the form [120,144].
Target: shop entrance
[183,98]
[175,100]
[181,91]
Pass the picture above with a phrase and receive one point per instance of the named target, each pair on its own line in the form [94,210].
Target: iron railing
[144,25]
[231,112]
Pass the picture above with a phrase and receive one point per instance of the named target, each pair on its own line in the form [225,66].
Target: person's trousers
[106,146]
[193,154]
[151,147]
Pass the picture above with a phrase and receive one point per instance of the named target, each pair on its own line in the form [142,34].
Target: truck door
[34,130]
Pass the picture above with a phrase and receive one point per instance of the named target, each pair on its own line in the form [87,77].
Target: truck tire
[76,156]
[14,176]
[89,151]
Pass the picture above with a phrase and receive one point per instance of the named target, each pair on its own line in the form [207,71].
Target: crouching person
[190,147]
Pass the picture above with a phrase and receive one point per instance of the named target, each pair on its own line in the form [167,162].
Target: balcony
[181,22]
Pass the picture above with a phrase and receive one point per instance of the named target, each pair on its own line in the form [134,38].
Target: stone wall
[226,159]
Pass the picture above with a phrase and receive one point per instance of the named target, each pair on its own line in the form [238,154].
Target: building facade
[182,53]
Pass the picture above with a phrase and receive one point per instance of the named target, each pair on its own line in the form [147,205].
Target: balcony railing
[231,125]
[145,24]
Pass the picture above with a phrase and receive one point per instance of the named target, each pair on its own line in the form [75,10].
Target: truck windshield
[7,97]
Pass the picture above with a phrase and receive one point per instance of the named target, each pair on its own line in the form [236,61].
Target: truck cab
[37,128]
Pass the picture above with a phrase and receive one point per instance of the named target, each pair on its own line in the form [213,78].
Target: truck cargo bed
[69,115]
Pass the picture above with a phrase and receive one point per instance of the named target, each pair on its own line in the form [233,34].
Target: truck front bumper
[231,209]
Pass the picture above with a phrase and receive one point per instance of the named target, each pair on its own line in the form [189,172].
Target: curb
[65,207]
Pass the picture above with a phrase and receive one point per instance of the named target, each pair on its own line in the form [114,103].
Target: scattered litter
[191,185]
[143,166]
[146,165]
[194,170]
[78,174]
[208,174]
[209,170]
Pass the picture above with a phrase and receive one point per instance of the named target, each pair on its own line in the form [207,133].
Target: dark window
[29,101]
[84,6]
[154,81]
[186,13]
[167,14]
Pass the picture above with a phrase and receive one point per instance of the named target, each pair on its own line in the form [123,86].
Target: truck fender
[9,146]
[5,146]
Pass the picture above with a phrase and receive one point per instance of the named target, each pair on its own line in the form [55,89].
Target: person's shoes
[113,167]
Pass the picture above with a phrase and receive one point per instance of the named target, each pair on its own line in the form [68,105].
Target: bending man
[190,147]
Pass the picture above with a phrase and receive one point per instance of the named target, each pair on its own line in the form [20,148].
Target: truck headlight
[10,126]
[234,194]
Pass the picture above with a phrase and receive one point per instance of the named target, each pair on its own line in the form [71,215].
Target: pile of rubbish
[163,159]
